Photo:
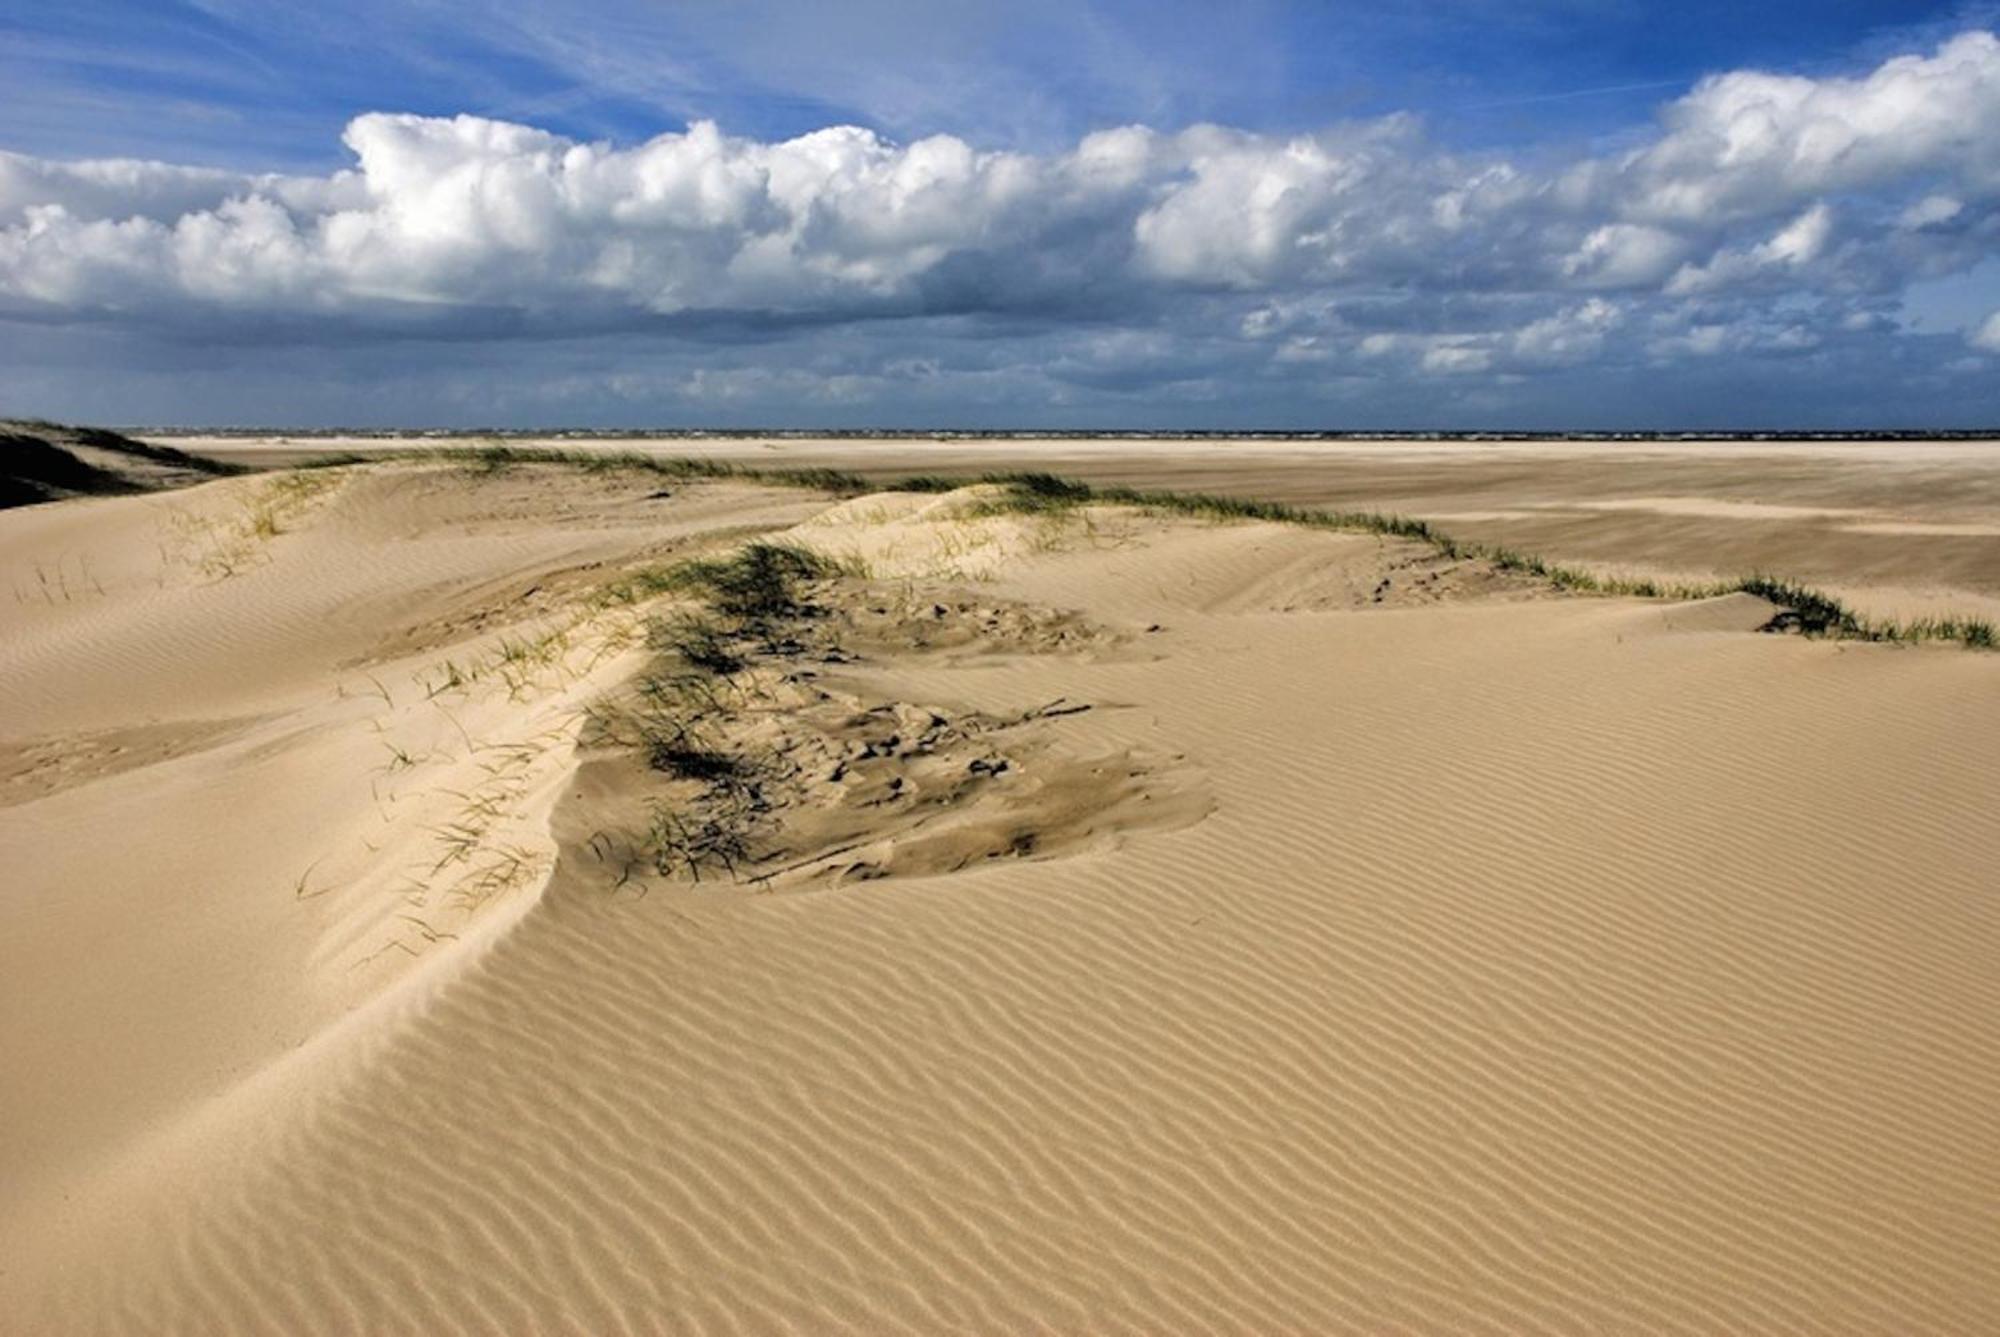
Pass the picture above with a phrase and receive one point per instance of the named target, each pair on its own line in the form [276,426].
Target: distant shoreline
[1036,434]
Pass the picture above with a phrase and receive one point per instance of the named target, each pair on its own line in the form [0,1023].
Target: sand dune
[1898,525]
[1353,940]
[41,462]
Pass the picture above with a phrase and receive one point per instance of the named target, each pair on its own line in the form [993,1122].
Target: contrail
[1573,93]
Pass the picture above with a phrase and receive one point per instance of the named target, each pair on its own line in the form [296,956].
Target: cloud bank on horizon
[1767,250]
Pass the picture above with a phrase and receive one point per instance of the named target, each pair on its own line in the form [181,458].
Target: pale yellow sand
[1893,524]
[1510,962]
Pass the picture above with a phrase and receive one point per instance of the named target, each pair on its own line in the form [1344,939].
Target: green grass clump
[672,722]
[757,585]
[1212,506]
[926,483]
[1810,612]
[1044,490]
[826,480]
[333,460]
[1975,633]
[698,643]
[686,760]
[1581,581]
[1813,613]
[496,458]
[680,718]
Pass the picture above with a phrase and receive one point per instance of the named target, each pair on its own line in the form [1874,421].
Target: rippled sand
[1356,940]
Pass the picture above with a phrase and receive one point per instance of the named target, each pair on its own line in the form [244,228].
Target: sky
[1562,214]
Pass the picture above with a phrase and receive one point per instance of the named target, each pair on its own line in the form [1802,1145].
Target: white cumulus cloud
[1987,336]
[1360,247]
[1790,248]
[1750,143]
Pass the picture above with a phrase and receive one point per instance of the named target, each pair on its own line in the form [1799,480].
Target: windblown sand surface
[1143,926]
[1901,528]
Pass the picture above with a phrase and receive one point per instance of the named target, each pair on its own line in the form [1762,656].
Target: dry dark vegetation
[45,461]
[784,765]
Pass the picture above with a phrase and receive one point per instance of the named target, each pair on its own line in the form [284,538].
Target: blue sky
[260,86]
[1525,213]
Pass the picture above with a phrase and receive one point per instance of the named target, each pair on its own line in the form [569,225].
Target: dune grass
[105,440]
[680,714]
[15,431]
[494,459]
[754,586]
[696,642]
[1806,611]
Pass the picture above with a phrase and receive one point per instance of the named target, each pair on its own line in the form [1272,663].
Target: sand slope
[42,461]
[1530,964]
[1902,528]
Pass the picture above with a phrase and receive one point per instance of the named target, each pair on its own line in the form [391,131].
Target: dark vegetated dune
[44,461]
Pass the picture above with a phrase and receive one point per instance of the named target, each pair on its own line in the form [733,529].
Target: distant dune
[42,461]
[478,895]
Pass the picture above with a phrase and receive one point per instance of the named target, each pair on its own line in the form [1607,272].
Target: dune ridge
[1535,963]
[44,461]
